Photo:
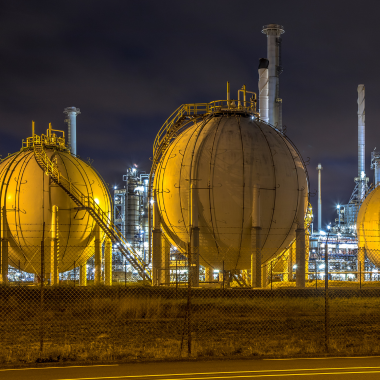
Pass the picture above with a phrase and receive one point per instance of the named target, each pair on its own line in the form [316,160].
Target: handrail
[198,109]
[90,205]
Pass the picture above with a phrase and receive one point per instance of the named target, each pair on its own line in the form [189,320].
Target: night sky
[129,64]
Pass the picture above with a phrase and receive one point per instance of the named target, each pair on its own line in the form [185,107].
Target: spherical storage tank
[28,195]
[368,222]
[224,157]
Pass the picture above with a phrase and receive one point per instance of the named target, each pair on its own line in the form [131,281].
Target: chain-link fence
[79,319]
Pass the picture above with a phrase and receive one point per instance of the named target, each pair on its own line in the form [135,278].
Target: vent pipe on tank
[263,89]
[273,32]
[319,168]
[71,121]
[361,142]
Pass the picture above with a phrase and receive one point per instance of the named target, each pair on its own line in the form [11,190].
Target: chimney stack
[319,168]
[263,89]
[72,113]
[273,32]
[361,143]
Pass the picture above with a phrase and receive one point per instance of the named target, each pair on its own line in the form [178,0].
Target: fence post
[42,291]
[327,322]
[189,277]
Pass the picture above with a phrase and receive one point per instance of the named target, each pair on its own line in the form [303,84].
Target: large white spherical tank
[29,196]
[368,226]
[224,158]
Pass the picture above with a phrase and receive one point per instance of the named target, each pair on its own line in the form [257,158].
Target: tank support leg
[300,242]
[209,274]
[300,258]
[98,256]
[83,274]
[361,262]
[290,263]
[108,262]
[264,276]
[194,265]
[54,248]
[255,257]
[157,243]
[4,248]
[156,257]
[165,262]
[255,239]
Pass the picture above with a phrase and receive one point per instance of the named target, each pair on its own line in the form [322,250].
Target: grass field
[104,324]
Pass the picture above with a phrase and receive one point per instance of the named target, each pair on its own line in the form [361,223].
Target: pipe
[361,141]
[72,113]
[263,89]
[273,32]
[319,168]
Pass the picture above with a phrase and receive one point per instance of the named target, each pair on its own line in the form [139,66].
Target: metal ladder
[88,203]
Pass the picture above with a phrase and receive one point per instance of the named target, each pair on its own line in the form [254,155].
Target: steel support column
[98,256]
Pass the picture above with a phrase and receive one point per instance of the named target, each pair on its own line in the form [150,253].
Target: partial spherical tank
[224,158]
[29,195]
[368,226]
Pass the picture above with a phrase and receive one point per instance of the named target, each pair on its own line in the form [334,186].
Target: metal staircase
[88,203]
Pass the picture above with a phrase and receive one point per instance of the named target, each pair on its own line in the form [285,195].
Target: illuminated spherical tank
[225,157]
[28,196]
[368,226]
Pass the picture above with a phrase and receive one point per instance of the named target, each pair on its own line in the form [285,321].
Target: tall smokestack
[263,89]
[361,142]
[72,113]
[273,32]
[319,168]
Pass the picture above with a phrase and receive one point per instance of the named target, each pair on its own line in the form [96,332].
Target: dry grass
[101,326]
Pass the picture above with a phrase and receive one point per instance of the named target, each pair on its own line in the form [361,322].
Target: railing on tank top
[200,109]
[92,207]
[46,140]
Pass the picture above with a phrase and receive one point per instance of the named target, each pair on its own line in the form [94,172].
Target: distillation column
[361,142]
[375,165]
[4,247]
[319,168]
[273,32]
[255,240]
[72,113]
[54,248]
[300,242]
[263,89]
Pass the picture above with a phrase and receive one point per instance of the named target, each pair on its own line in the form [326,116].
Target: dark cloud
[129,64]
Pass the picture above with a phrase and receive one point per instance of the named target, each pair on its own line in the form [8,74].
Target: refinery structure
[226,201]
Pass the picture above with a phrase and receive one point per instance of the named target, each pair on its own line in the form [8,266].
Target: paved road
[331,368]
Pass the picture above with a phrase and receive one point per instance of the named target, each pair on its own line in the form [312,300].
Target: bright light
[328,227]
[323,232]
[151,201]
[139,188]
[97,201]
[322,266]
[115,187]
[338,206]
